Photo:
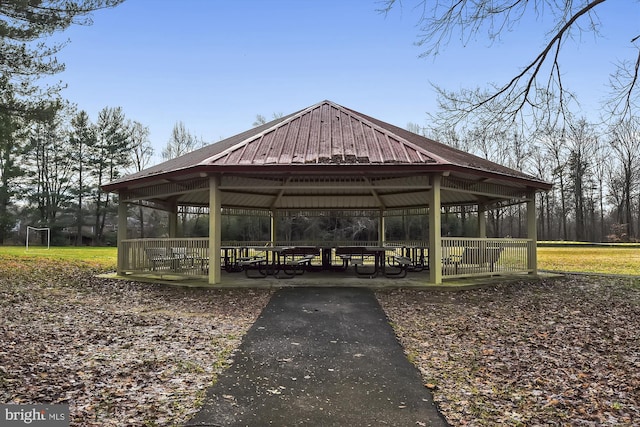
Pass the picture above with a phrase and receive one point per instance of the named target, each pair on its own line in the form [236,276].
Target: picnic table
[356,255]
[368,261]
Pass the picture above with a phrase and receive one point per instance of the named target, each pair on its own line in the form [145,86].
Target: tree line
[594,169]
[52,170]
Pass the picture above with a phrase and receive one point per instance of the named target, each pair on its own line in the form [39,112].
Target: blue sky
[215,65]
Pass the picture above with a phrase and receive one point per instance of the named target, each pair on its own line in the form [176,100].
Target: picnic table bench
[173,259]
[474,257]
[297,259]
[355,255]
[161,257]
[253,264]
[399,266]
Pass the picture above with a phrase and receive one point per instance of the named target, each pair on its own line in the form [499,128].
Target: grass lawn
[589,259]
[96,257]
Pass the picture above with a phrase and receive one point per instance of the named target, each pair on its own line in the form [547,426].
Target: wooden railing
[461,257]
[170,256]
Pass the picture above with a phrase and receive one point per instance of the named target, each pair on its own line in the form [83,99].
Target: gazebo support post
[173,221]
[381,228]
[532,233]
[482,221]
[274,226]
[435,232]
[122,235]
[215,229]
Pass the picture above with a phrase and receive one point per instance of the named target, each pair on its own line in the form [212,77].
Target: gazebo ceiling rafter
[165,190]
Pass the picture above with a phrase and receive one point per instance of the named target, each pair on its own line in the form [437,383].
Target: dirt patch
[555,352]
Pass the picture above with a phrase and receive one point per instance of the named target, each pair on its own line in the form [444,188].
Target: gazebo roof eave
[333,169]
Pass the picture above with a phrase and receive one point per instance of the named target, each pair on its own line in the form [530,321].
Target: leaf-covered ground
[119,353]
[555,352]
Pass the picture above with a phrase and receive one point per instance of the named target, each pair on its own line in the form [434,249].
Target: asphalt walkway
[320,357]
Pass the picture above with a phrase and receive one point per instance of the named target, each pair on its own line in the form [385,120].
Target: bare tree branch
[623,99]
[527,93]
[511,89]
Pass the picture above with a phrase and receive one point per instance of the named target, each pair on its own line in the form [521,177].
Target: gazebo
[327,157]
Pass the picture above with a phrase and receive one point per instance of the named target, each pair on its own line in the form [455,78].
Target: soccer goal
[35,231]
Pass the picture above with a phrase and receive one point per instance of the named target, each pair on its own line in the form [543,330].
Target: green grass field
[623,259]
[93,257]
[590,259]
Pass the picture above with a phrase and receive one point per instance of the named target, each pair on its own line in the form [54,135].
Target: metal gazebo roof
[326,156]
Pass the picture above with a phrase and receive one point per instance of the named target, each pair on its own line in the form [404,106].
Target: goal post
[37,230]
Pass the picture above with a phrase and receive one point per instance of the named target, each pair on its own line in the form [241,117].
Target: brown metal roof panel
[276,146]
[337,138]
[267,152]
[404,152]
[364,147]
[359,146]
[233,158]
[324,146]
[313,144]
[389,153]
[370,137]
[302,139]
[348,138]
[329,134]
[249,152]
[289,142]
[416,157]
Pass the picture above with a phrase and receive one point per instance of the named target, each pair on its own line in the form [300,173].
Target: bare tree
[623,99]
[51,159]
[527,93]
[142,151]
[601,166]
[261,120]
[582,145]
[141,154]
[416,128]
[625,143]
[181,142]
[555,143]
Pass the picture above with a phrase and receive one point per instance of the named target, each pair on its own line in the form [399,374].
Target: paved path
[320,357]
